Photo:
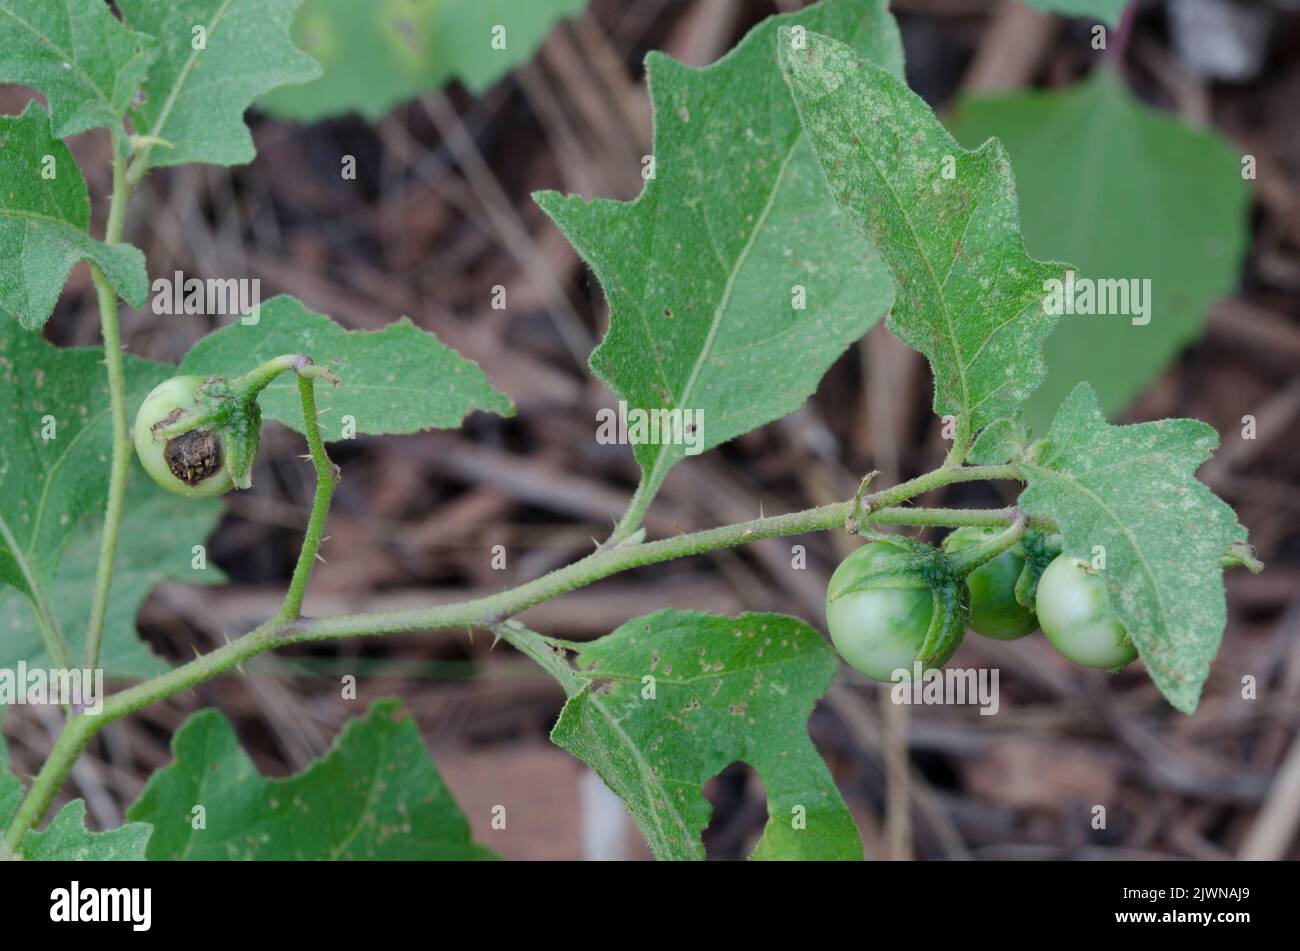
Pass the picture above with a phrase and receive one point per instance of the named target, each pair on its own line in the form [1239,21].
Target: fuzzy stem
[488,611]
[120,466]
[961,443]
[491,611]
[631,519]
[966,560]
[958,518]
[327,479]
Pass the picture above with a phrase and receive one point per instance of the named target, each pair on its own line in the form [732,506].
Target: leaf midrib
[658,470]
[916,241]
[183,76]
[648,775]
[1142,562]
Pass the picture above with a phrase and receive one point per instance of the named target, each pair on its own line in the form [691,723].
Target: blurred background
[1131,161]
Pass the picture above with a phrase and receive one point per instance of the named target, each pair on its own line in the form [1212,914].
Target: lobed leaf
[378,54]
[943,218]
[78,55]
[704,271]
[66,838]
[1132,490]
[44,221]
[215,58]
[724,690]
[374,795]
[1120,212]
[397,380]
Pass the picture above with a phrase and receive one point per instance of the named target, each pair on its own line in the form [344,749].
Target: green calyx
[1039,550]
[919,566]
[227,409]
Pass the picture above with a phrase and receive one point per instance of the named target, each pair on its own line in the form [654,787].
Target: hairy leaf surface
[396,380]
[375,796]
[66,838]
[733,280]
[78,55]
[1104,182]
[662,704]
[44,216]
[215,58]
[945,220]
[1132,491]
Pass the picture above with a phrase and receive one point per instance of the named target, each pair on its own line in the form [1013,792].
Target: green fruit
[191,462]
[1075,612]
[994,610]
[889,604]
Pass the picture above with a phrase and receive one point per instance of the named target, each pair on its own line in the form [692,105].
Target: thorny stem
[869,506]
[493,611]
[77,732]
[327,479]
[121,462]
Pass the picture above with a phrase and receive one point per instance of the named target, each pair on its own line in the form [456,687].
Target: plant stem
[488,611]
[966,560]
[121,463]
[78,732]
[327,479]
[961,442]
[873,503]
[958,518]
[631,519]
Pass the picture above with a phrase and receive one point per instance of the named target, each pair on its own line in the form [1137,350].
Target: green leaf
[66,838]
[1105,182]
[195,98]
[380,53]
[44,221]
[396,380]
[1131,489]
[78,55]
[375,795]
[703,270]
[1104,11]
[155,544]
[724,690]
[47,485]
[945,220]
[4,746]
